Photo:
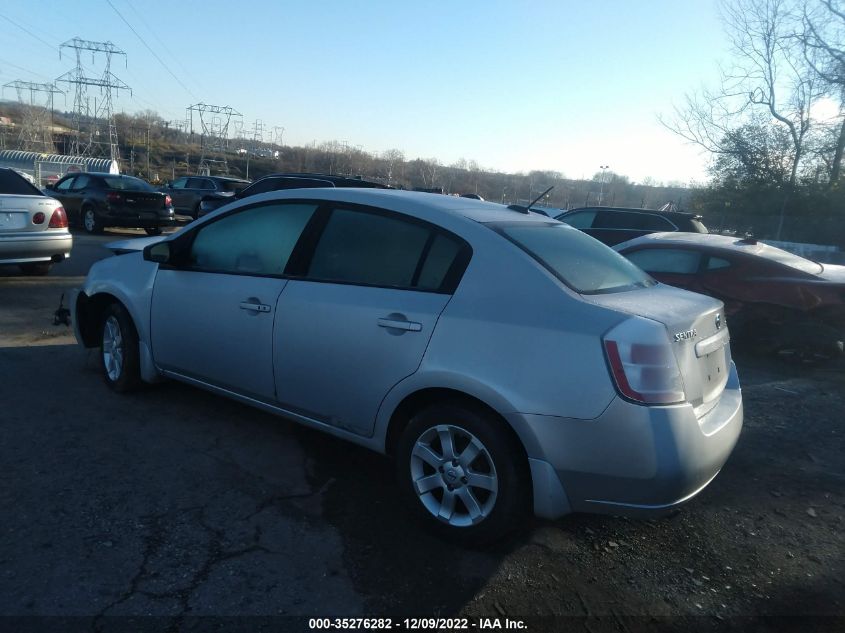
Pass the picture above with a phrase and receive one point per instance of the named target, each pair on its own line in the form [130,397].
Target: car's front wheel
[153,230]
[119,358]
[462,472]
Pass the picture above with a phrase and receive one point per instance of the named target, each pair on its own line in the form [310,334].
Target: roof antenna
[526,210]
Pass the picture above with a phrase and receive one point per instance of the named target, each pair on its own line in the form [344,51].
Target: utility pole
[107,83]
[36,126]
[604,169]
[214,121]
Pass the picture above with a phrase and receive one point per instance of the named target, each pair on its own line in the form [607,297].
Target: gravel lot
[176,503]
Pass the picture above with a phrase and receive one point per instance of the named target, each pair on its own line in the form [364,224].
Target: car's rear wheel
[461,472]
[36,268]
[90,222]
[119,358]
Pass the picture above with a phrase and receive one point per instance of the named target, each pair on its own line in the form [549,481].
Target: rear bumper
[633,460]
[26,248]
[140,222]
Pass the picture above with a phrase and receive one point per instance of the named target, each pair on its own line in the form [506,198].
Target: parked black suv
[97,200]
[614,225]
[276,182]
[188,191]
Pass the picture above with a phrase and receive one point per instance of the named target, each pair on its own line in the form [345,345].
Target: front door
[213,312]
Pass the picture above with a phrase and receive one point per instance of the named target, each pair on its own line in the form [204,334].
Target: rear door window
[581,262]
[666,260]
[632,220]
[382,249]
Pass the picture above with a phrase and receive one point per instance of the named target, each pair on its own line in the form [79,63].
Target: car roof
[666,214]
[226,178]
[428,206]
[314,176]
[723,243]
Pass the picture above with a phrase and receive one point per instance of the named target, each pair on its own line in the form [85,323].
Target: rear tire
[36,268]
[119,358]
[463,474]
[91,221]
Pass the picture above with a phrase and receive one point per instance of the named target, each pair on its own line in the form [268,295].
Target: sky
[555,85]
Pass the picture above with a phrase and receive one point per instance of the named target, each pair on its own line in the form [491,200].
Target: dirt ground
[173,503]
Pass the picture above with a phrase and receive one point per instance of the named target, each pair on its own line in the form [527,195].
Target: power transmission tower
[37,119]
[107,83]
[214,121]
[278,135]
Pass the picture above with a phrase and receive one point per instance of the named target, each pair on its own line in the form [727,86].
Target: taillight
[59,219]
[113,197]
[642,362]
[38,218]
[168,201]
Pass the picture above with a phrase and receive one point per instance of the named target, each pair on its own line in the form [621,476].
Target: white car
[33,227]
[508,362]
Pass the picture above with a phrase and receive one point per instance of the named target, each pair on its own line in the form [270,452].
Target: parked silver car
[507,361]
[33,227]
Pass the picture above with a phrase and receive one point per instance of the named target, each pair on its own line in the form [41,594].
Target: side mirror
[160,252]
[50,186]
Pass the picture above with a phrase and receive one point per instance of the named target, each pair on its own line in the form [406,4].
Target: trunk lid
[17,212]
[140,203]
[695,329]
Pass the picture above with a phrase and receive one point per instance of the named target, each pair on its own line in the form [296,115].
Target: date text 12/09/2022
[416,624]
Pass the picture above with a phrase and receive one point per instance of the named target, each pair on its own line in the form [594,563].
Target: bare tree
[769,74]
[824,47]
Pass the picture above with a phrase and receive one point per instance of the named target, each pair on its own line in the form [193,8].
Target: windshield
[581,262]
[127,183]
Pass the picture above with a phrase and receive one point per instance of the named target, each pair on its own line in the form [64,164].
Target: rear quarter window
[578,260]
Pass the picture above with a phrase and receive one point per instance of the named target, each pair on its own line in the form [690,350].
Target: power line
[26,30]
[26,70]
[154,54]
[163,44]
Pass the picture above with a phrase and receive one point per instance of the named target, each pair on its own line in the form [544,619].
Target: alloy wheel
[453,475]
[112,348]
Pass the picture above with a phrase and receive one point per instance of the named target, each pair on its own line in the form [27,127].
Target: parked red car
[773,299]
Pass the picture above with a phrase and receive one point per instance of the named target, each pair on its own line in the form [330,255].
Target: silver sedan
[508,363]
[33,227]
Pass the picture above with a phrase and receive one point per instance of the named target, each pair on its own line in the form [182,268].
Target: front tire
[119,359]
[91,222]
[153,230]
[463,473]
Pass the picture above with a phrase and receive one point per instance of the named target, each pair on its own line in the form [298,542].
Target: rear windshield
[789,259]
[127,183]
[14,184]
[234,186]
[581,262]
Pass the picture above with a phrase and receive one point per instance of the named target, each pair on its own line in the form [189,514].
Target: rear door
[213,313]
[360,315]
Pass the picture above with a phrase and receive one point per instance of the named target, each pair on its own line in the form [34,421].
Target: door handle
[254,307]
[398,324]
